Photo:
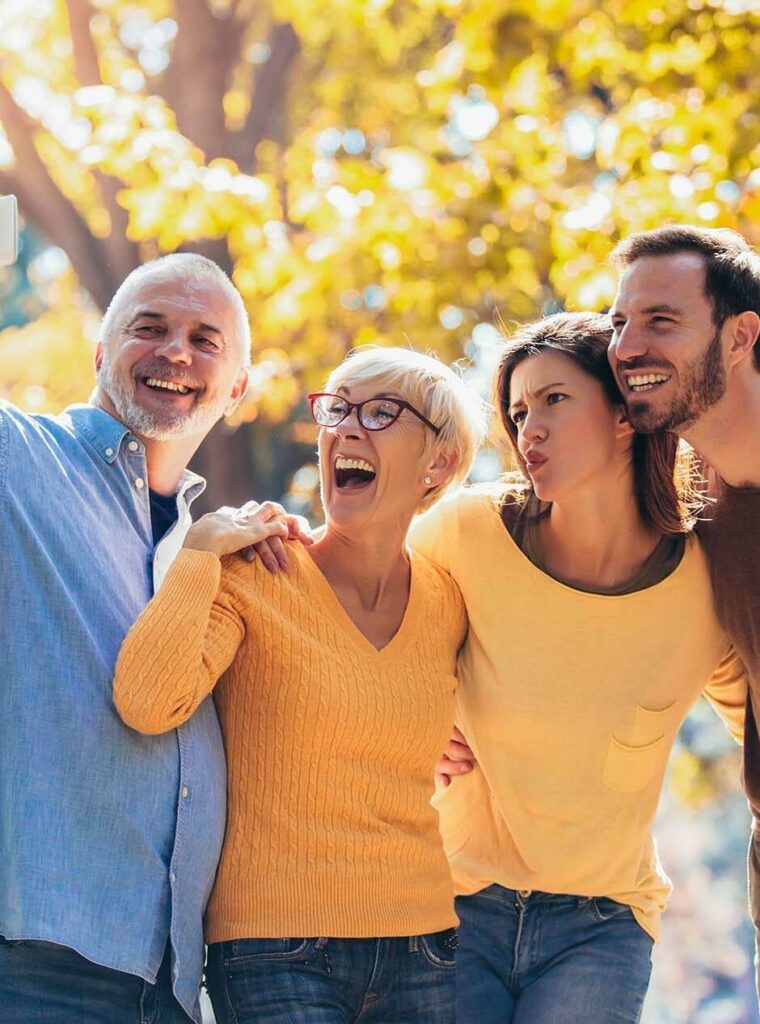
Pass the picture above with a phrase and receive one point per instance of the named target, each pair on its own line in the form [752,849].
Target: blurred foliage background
[389,171]
[367,170]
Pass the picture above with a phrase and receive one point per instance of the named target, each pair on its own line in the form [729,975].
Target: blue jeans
[43,983]
[536,958]
[334,981]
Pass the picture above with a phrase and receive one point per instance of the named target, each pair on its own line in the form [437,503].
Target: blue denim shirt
[109,840]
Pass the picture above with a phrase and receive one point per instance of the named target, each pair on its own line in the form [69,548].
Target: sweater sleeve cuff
[194,573]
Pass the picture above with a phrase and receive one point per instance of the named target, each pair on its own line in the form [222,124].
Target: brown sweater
[331,744]
[731,537]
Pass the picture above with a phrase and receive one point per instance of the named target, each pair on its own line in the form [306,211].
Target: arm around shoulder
[435,532]
[726,690]
[180,645]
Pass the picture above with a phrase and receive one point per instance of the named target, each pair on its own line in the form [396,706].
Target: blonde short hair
[436,390]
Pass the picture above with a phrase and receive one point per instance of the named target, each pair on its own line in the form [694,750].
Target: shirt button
[109,452]
[133,446]
[185,792]
[139,483]
[173,877]
[525,893]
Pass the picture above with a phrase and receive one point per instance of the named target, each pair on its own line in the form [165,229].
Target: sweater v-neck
[344,621]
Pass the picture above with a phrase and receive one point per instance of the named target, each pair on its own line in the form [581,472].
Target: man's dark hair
[732,267]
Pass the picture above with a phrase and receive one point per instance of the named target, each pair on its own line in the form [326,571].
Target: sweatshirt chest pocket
[630,766]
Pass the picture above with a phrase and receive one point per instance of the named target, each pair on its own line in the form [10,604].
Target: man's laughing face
[666,352]
[175,365]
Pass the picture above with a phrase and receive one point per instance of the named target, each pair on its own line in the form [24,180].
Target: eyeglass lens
[374,414]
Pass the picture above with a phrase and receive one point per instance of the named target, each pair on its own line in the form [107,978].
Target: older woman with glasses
[333,901]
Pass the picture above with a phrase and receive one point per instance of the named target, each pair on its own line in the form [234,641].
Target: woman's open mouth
[353,474]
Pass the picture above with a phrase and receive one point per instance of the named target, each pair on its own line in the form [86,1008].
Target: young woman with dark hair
[592,631]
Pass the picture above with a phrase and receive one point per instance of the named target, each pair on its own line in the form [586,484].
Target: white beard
[157,425]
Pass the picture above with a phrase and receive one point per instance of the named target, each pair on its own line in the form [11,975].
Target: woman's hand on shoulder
[273,550]
[234,529]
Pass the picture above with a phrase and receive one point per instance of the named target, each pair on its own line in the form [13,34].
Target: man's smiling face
[174,366]
[666,352]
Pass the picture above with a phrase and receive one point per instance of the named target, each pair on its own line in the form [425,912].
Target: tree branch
[86,63]
[194,84]
[123,254]
[48,208]
[266,114]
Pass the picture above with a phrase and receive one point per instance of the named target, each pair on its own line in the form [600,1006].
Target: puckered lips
[166,386]
[352,473]
[534,459]
[640,382]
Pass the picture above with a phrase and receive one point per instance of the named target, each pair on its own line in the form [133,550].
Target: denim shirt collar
[107,434]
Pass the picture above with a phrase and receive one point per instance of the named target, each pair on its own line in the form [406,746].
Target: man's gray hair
[183,266]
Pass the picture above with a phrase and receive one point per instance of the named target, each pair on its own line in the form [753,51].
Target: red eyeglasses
[373,414]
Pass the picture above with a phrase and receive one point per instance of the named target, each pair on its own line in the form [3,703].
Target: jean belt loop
[414,943]
[321,942]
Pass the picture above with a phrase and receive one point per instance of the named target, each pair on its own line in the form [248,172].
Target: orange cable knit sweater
[330,743]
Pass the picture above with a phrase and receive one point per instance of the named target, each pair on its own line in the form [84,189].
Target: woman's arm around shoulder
[438,533]
[191,630]
[448,601]
[726,690]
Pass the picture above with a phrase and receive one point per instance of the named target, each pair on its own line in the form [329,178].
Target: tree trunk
[224,459]
[238,464]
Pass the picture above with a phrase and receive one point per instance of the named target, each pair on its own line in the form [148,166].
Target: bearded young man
[685,352]
[109,840]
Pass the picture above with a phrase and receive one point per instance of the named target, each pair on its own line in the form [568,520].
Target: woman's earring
[427,481]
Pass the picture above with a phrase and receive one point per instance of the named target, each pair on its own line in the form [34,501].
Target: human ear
[239,389]
[98,355]
[440,468]
[623,427]
[744,334]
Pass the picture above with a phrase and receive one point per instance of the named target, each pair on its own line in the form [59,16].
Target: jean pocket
[440,947]
[240,952]
[604,909]
[628,769]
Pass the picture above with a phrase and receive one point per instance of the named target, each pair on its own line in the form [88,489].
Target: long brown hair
[663,477]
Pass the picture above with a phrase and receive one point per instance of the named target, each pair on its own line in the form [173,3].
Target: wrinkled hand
[272,550]
[236,529]
[457,759]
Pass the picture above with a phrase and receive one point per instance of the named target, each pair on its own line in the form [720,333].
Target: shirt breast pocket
[629,767]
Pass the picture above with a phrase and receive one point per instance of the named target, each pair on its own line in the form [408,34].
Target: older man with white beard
[109,840]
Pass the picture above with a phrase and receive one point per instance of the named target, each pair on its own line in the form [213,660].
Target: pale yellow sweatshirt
[331,744]
[571,702]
